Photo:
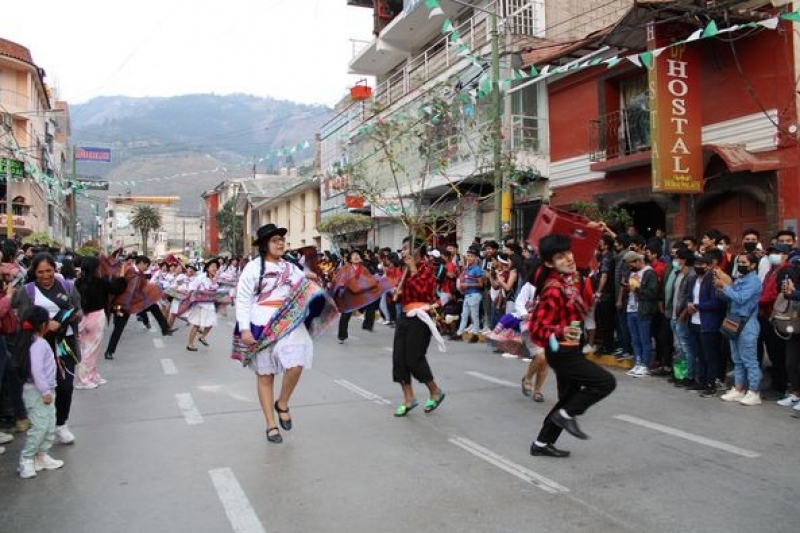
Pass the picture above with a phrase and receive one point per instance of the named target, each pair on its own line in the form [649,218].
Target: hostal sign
[675,117]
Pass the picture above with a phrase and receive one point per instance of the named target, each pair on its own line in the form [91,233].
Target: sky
[295,50]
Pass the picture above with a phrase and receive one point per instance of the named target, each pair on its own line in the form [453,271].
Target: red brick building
[744,82]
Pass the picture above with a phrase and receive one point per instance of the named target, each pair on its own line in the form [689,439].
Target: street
[175,443]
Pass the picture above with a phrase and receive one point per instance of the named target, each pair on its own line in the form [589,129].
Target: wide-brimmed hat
[267,231]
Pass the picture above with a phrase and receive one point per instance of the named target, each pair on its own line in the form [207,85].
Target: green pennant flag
[612,61]
[447,27]
[793,16]
[485,84]
[647,59]
[534,72]
[710,31]
[518,75]
[455,36]
[432,3]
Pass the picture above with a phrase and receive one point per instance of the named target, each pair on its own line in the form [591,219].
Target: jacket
[743,296]
[647,294]
[711,305]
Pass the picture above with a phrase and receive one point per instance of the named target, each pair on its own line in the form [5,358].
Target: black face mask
[743,270]
[700,270]
[750,246]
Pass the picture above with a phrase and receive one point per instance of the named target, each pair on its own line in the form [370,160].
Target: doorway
[731,214]
[647,217]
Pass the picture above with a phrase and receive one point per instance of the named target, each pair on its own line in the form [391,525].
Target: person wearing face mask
[750,244]
[675,300]
[642,307]
[743,296]
[555,324]
[707,310]
[778,256]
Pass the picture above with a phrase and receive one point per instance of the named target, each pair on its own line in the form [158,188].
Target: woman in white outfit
[267,285]
[202,315]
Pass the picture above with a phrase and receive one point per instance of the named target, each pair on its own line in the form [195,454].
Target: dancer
[177,290]
[277,306]
[95,291]
[524,304]
[63,303]
[36,365]
[202,313]
[412,335]
[556,325]
[355,287]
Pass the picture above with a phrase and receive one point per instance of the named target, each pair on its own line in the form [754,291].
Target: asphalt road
[175,443]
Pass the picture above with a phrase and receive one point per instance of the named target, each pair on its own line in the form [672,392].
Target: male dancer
[556,325]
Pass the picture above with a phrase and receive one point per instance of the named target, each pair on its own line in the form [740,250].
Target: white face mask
[721,247]
[676,265]
[775,259]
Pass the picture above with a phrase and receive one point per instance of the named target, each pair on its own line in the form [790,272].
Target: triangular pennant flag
[658,51]
[306,145]
[647,59]
[612,61]
[432,3]
[455,36]
[634,59]
[794,16]
[545,70]
[769,23]
[447,27]
[485,84]
[534,72]
[694,36]
[518,75]
[710,31]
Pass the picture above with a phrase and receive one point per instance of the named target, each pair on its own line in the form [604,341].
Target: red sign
[675,115]
[354,201]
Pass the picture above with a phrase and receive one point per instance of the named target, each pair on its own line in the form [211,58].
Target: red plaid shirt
[563,300]
[420,287]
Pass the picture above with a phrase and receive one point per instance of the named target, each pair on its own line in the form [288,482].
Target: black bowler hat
[265,232]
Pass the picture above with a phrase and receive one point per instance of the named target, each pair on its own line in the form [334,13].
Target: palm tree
[145,219]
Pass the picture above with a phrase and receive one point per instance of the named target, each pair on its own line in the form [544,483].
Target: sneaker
[642,373]
[101,381]
[789,401]
[751,398]
[509,355]
[5,438]
[708,392]
[26,469]
[633,371]
[385,322]
[86,386]
[796,408]
[22,425]
[342,341]
[732,395]
[42,461]
[64,435]
[589,349]
[719,385]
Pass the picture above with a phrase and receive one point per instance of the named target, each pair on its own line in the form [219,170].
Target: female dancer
[178,291]
[355,287]
[202,314]
[276,306]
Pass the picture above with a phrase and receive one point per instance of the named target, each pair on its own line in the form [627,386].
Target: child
[36,364]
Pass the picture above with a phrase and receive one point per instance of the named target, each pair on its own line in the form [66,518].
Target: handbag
[732,326]
[785,317]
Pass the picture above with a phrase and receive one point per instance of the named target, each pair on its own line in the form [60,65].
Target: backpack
[785,317]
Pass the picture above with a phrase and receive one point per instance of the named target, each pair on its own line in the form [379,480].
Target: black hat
[474,250]
[781,247]
[210,262]
[267,231]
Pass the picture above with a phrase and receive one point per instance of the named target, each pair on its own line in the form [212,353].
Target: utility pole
[497,128]
[9,204]
[73,212]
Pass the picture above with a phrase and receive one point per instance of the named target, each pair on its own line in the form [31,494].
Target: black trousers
[605,316]
[776,347]
[793,362]
[665,348]
[65,376]
[120,321]
[581,384]
[411,340]
[369,319]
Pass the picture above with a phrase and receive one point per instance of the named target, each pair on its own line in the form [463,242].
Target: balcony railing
[619,134]
[528,133]
[433,61]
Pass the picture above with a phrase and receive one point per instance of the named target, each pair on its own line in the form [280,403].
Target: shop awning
[738,159]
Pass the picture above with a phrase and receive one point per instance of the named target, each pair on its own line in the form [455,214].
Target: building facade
[35,131]
[297,210]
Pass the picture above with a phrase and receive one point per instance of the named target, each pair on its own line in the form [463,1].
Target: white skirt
[296,349]
[201,315]
[173,307]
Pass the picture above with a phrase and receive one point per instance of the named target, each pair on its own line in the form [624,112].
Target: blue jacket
[743,296]
[711,306]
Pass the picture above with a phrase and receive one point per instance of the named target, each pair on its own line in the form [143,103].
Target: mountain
[183,145]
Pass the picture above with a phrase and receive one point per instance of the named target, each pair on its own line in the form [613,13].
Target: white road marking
[219,389]
[525,474]
[159,343]
[725,447]
[387,349]
[362,392]
[491,379]
[188,408]
[237,506]
[169,367]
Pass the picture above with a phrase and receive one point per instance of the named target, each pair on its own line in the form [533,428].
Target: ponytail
[32,322]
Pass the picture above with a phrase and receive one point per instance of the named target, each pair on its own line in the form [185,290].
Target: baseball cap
[631,256]
[781,248]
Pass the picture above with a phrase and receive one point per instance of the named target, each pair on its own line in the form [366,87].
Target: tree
[345,227]
[416,165]
[230,226]
[146,219]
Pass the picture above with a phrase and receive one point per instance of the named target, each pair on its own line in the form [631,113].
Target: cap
[631,256]
[474,250]
[781,248]
[435,253]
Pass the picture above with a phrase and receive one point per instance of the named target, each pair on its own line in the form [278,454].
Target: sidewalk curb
[611,361]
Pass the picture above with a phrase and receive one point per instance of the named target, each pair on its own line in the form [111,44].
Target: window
[528,127]
[634,108]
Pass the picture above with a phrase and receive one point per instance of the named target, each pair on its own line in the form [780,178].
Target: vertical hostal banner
[675,114]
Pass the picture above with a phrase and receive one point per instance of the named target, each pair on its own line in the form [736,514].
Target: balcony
[24,222]
[528,134]
[620,134]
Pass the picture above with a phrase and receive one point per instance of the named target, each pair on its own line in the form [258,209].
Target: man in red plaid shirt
[412,334]
[555,325]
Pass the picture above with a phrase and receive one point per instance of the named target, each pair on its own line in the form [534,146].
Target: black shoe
[693,385]
[109,356]
[191,348]
[682,382]
[455,337]
[548,451]
[474,339]
[570,424]
[274,435]
[285,424]
[708,392]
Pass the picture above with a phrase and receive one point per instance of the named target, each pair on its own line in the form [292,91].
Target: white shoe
[633,371]
[796,407]
[64,435]
[789,401]
[509,355]
[589,349]
[385,322]
[732,395]
[26,469]
[42,461]
[86,386]
[2,450]
[101,381]
[751,398]
[641,372]
[5,437]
